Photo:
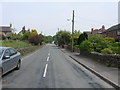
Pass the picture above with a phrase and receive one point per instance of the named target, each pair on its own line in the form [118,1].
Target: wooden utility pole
[58,29]
[73,32]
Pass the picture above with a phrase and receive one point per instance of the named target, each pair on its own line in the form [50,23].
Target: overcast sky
[47,17]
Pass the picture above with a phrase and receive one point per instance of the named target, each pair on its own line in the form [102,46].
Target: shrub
[110,39]
[85,46]
[106,51]
[26,36]
[98,43]
[3,38]
[35,39]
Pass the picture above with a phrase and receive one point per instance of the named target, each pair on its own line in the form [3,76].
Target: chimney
[103,28]
[10,25]
[91,30]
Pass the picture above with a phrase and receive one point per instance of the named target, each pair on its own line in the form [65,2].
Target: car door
[6,65]
[14,57]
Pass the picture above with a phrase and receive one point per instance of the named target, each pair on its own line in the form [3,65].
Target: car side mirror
[6,57]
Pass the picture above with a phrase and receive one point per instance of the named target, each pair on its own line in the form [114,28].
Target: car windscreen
[1,52]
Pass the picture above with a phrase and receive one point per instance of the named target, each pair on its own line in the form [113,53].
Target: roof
[5,28]
[115,27]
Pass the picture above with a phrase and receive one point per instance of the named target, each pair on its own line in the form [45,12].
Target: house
[23,31]
[98,31]
[6,30]
[113,32]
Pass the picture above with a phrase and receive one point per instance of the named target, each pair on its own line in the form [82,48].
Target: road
[49,67]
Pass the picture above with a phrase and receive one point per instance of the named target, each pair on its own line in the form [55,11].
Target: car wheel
[18,65]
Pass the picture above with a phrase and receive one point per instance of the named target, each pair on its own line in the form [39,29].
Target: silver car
[9,59]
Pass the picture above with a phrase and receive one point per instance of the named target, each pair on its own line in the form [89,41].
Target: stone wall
[107,59]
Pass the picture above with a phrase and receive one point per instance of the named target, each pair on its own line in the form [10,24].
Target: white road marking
[48,54]
[45,71]
[48,58]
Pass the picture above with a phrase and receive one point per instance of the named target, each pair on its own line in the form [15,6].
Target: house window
[118,32]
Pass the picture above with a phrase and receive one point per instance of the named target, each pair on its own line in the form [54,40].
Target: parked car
[9,59]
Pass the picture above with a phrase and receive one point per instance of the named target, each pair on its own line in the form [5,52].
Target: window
[7,53]
[12,52]
[1,52]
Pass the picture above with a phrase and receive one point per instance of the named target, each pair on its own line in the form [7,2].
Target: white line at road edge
[45,71]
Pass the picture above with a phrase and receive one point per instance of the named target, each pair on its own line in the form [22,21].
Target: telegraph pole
[73,32]
[58,29]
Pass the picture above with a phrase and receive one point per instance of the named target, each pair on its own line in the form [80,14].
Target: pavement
[111,74]
[49,67]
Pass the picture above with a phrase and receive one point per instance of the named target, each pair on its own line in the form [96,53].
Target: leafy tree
[41,39]
[76,36]
[48,39]
[34,32]
[63,38]
[82,38]
[35,39]
[26,36]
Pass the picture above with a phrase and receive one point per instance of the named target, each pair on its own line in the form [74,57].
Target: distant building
[98,31]
[87,32]
[23,31]
[113,32]
[6,30]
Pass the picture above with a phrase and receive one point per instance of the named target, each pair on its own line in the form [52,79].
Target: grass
[18,45]
[15,44]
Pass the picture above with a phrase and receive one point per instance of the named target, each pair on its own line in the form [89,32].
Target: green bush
[86,46]
[94,43]
[110,39]
[106,51]
[3,38]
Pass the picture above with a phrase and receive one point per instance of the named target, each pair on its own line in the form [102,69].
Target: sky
[47,17]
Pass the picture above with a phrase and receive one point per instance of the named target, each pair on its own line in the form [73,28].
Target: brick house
[113,32]
[5,30]
[98,31]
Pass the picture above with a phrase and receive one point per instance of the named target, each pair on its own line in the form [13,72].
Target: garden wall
[107,59]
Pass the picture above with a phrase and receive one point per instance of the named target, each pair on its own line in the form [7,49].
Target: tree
[48,39]
[63,38]
[82,38]
[76,36]
[26,36]
[35,39]
[34,32]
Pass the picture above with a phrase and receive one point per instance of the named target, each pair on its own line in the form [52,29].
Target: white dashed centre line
[45,70]
[48,58]
[46,66]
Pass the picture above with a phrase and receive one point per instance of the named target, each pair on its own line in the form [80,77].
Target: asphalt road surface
[49,67]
